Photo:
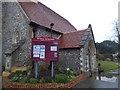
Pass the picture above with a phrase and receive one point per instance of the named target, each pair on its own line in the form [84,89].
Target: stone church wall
[45,32]
[16,25]
[69,58]
[16,22]
[0,38]
[85,55]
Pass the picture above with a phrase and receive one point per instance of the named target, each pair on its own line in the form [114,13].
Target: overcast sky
[99,13]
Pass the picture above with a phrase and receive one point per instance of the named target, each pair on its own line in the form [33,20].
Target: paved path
[0,82]
[89,83]
[114,71]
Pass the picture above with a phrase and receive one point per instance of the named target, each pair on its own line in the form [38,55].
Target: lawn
[108,65]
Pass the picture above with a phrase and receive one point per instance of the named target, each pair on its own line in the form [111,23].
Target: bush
[14,79]
[42,80]
[33,81]
[71,72]
[12,75]
[61,70]
[28,73]
[47,79]
[19,72]
[61,78]
[71,76]
[22,79]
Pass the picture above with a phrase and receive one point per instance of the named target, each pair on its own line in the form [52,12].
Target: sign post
[52,71]
[36,69]
[44,49]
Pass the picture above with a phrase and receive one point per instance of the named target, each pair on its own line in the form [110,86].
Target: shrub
[12,75]
[61,78]
[47,79]
[71,72]
[14,79]
[19,72]
[71,76]
[61,70]
[22,79]
[42,80]
[33,80]
[28,73]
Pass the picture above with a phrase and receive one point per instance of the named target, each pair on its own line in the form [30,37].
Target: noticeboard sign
[44,49]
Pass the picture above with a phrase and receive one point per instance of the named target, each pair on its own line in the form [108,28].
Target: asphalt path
[90,83]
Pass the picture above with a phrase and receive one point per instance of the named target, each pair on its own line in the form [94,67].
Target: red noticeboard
[44,49]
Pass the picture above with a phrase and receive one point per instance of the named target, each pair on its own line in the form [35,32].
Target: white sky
[99,13]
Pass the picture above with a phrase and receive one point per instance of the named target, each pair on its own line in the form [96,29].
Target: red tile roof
[71,39]
[42,15]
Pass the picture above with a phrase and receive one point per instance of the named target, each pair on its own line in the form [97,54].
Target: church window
[16,37]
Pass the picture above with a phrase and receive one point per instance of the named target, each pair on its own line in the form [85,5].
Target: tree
[107,47]
[116,28]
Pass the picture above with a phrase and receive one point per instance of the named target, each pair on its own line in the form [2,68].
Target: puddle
[110,76]
[109,79]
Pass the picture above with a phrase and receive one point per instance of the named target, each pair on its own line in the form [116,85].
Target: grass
[108,65]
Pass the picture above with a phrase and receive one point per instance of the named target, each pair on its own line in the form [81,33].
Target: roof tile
[42,15]
[72,39]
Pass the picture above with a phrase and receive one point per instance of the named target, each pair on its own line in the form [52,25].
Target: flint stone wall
[69,58]
[14,20]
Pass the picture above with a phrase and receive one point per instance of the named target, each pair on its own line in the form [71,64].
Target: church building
[22,21]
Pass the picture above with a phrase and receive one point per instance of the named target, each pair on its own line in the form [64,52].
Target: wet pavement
[114,71]
[90,83]
[0,82]
[112,80]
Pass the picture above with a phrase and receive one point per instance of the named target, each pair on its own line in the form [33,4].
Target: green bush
[33,80]
[61,78]
[71,72]
[61,70]
[12,75]
[22,79]
[19,72]
[47,79]
[14,79]
[71,76]
[28,73]
[42,80]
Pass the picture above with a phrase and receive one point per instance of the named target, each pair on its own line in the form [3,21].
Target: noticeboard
[44,49]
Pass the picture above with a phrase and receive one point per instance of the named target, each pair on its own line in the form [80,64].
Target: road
[90,83]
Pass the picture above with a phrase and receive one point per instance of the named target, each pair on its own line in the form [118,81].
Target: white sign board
[42,55]
[39,51]
[42,51]
[53,48]
[36,50]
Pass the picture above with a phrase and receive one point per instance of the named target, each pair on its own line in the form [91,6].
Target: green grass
[108,65]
